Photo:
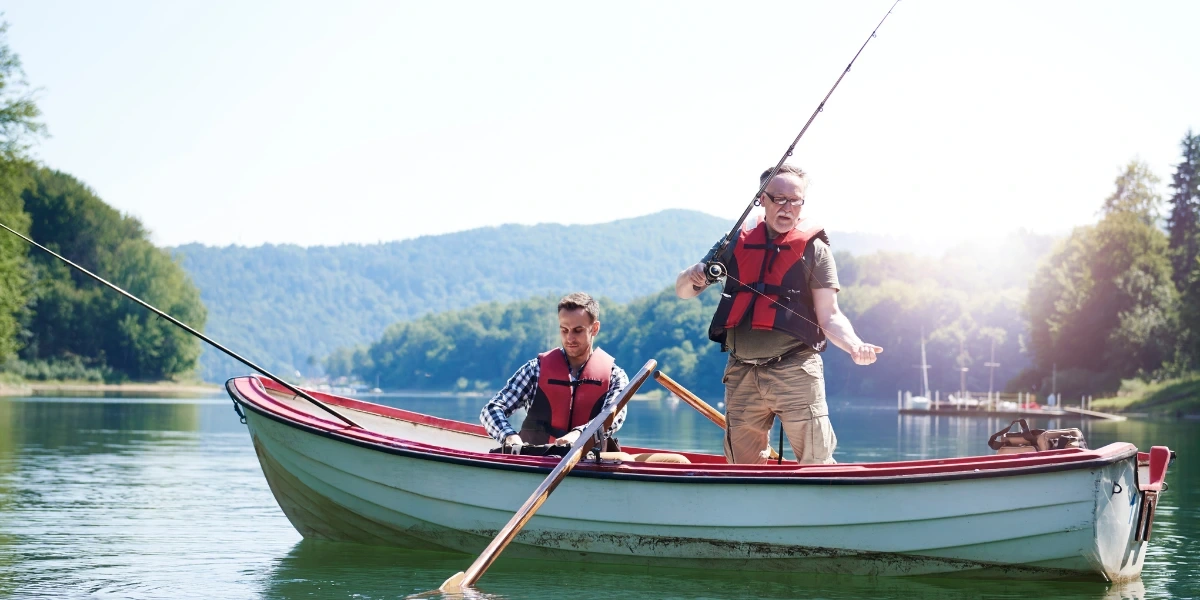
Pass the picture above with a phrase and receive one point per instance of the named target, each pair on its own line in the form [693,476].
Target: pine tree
[1136,193]
[1183,222]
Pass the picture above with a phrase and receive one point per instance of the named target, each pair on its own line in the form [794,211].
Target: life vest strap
[576,383]
[763,288]
[767,246]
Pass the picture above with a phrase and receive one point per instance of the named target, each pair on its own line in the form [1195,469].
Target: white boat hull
[1060,524]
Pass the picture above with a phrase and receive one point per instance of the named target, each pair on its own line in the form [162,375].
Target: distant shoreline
[164,387]
[41,388]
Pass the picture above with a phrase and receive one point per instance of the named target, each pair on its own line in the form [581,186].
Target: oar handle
[585,442]
[683,394]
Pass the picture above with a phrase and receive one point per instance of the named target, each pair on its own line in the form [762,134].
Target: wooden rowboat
[417,481]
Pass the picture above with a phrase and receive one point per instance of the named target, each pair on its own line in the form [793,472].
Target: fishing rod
[714,269]
[186,328]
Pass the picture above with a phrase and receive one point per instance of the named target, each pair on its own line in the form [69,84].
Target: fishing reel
[713,271]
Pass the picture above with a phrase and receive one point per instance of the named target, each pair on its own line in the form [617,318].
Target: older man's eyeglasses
[782,200]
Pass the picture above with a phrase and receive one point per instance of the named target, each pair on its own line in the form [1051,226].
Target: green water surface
[164,498]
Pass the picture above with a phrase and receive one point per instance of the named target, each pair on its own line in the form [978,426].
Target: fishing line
[777,303]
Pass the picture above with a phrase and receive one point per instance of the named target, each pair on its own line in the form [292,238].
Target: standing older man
[778,304]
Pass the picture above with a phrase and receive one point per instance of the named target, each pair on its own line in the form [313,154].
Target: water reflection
[138,498]
[93,426]
[131,499]
[315,569]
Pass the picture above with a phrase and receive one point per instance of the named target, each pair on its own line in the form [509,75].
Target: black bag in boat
[534,450]
[1007,441]
[1058,439]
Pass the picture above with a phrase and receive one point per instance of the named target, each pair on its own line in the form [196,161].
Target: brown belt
[762,362]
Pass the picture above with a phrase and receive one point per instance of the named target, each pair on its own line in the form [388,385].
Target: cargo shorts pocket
[799,386]
[822,441]
[814,366]
[818,409]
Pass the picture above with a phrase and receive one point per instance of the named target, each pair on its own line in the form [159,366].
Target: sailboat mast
[924,370]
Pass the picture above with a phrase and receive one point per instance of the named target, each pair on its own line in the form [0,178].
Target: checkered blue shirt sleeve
[517,393]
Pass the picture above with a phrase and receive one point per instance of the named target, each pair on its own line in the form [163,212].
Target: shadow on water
[315,569]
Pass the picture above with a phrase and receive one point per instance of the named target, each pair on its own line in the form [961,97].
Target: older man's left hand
[865,354]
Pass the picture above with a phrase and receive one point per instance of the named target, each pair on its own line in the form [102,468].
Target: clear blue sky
[323,123]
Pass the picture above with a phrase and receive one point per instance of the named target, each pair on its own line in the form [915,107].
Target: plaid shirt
[519,391]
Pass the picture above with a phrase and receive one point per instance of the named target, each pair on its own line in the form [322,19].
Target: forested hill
[288,306]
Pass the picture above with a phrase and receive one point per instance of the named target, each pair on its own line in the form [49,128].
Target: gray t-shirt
[754,344]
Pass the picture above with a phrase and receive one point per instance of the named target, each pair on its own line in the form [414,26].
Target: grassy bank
[72,388]
[1173,397]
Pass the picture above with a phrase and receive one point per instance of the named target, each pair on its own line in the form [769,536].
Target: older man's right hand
[864,353]
[696,275]
[514,442]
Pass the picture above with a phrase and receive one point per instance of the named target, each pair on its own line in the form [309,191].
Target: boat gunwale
[708,473]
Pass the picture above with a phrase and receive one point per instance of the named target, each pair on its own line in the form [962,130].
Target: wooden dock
[1095,414]
[952,410]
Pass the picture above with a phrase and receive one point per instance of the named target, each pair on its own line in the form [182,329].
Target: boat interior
[391,429]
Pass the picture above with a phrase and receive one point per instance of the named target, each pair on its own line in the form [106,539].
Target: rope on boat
[238,409]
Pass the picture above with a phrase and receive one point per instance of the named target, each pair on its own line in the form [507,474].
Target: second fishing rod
[714,269]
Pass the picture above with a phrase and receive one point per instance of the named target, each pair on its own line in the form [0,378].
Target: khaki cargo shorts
[793,389]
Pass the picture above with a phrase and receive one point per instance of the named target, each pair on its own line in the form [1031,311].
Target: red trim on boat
[379,409]
[253,392]
[1159,459]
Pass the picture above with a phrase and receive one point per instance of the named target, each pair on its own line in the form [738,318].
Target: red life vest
[769,280]
[560,404]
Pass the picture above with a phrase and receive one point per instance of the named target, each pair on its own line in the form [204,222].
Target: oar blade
[454,584]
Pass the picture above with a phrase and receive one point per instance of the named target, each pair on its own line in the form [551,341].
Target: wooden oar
[585,442]
[701,406]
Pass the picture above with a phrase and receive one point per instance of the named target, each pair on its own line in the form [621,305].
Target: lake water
[163,498]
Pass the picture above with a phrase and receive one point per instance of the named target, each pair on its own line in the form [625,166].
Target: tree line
[54,321]
[963,304]
[290,306]
[1120,300]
